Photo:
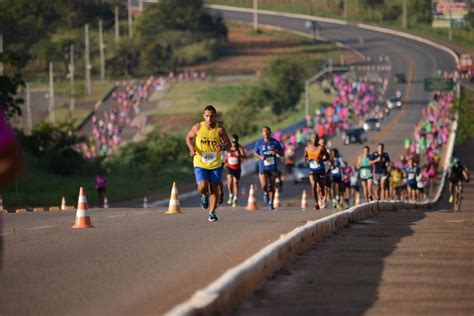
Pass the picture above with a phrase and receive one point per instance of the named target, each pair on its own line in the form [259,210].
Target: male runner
[315,155]
[266,150]
[205,141]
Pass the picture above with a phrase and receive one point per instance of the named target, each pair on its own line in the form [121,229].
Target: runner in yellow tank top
[205,142]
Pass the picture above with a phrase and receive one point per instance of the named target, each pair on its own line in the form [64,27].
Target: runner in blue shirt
[266,150]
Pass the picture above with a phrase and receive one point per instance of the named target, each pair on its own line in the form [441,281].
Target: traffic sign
[439,84]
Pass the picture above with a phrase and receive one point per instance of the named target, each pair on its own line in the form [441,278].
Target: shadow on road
[336,276]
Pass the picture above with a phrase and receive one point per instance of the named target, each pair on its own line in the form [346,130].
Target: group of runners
[373,176]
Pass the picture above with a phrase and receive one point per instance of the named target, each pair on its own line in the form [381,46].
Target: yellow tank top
[207,156]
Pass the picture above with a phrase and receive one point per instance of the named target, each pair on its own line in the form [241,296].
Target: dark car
[300,173]
[354,135]
[371,124]
[400,78]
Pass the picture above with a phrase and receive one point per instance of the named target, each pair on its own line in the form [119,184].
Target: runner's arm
[243,153]
[190,139]
[225,140]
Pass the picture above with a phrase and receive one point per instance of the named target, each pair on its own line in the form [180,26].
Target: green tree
[9,91]
[240,119]
[126,58]
[178,33]
[283,84]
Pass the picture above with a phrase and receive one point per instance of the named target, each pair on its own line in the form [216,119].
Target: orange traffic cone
[106,202]
[145,202]
[174,207]
[82,218]
[252,202]
[304,202]
[63,204]
[276,199]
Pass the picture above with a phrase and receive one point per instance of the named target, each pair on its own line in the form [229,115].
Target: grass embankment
[331,9]
[84,104]
[465,109]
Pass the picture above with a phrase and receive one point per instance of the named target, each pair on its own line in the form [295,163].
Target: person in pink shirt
[12,163]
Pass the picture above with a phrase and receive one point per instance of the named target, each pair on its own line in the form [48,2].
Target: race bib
[314,164]
[208,157]
[411,176]
[364,173]
[233,160]
[353,180]
[269,161]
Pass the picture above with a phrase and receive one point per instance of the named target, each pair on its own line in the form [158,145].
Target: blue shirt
[270,163]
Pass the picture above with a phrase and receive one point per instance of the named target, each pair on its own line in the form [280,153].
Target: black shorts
[412,185]
[100,190]
[336,179]
[273,173]
[454,180]
[234,172]
[317,174]
[355,187]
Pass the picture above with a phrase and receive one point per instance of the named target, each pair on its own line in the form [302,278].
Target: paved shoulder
[397,263]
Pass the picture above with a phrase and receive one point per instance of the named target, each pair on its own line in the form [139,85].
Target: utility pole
[255,15]
[345,10]
[29,123]
[101,49]
[450,29]
[130,21]
[307,98]
[404,15]
[88,62]
[51,94]
[71,78]
[1,51]
[117,26]
[140,5]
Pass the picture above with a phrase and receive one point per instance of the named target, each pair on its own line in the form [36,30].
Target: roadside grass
[41,189]
[191,97]
[78,115]
[62,88]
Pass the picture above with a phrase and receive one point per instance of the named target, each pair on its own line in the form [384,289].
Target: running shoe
[316,206]
[450,199]
[270,206]
[229,201]
[266,199]
[204,201]
[234,203]
[212,216]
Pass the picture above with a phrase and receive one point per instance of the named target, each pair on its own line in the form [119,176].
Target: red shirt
[232,159]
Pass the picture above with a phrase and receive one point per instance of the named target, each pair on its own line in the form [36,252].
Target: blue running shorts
[211,175]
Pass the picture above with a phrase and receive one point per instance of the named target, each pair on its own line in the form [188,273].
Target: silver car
[300,173]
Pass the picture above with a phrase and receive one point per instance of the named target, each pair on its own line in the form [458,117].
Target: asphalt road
[139,261]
